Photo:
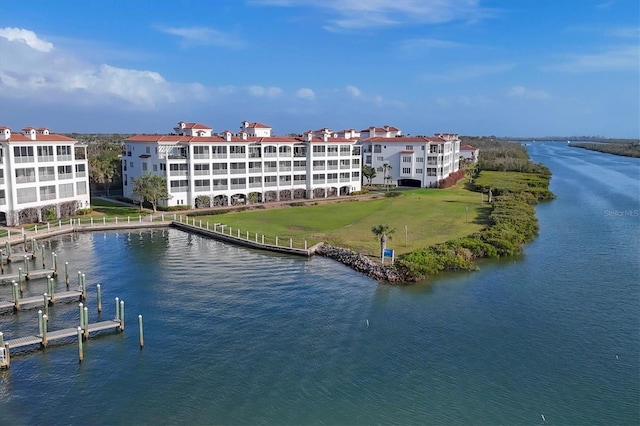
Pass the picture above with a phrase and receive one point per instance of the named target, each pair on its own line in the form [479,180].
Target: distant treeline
[503,156]
[624,149]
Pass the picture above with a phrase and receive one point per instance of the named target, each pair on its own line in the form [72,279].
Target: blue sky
[474,67]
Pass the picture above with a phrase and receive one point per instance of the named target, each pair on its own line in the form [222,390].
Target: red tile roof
[195,126]
[256,125]
[220,139]
[467,148]
[19,137]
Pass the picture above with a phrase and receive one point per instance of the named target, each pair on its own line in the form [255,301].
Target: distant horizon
[472,67]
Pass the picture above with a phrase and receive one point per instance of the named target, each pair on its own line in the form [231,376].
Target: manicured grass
[431,216]
[103,207]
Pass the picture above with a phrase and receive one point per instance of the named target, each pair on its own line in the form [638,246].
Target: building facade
[44,176]
[469,154]
[417,161]
[203,169]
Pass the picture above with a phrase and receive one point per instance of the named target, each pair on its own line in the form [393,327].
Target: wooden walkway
[29,302]
[31,275]
[22,342]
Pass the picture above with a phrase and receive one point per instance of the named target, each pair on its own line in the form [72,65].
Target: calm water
[234,336]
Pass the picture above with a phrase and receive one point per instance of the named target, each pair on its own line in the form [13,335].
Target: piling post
[290,242]
[80,349]
[45,302]
[84,288]
[16,296]
[256,237]
[24,240]
[117,309]
[34,247]
[26,267]
[104,220]
[86,322]
[45,318]
[99,291]
[276,241]
[42,256]
[7,355]
[2,262]
[238,232]
[122,315]
[7,248]
[81,308]
[1,339]
[262,239]
[66,274]
[140,331]
[305,244]
[200,223]
[55,264]
[79,280]
[51,288]
[20,278]
[40,327]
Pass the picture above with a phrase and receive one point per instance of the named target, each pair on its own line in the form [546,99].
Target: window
[270,180]
[332,150]
[219,168]
[237,151]
[81,188]
[202,185]
[300,165]
[318,178]
[155,167]
[65,190]
[345,149]
[178,186]
[345,164]
[332,164]
[355,175]
[47,192]
[255,181]
[345,176]
[270,166]
[367,159]
[270,151]
[65,172]
[201,169]
[377,149]
[201,152]
[26,195]
[219,151]
[80,170]
[64,152]
[318,149]
[45,153]
[409,147]
[163,167]
[285,180]
[285,151]
[144,167]
[420,160]
[238,183]
[148,150]
[255,152]
[418,171]
[332,177]
[318,164]
[25,175]
[23,154]
[255,166]
[285,166]
[3,197]
[178,169]
[355,162]
[379,158]
[299,179]
[406,159]
[46,173]
[406,170]
[238,168]
[1,176]
[219,183]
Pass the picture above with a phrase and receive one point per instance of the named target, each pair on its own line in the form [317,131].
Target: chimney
[227,136]
[244,135]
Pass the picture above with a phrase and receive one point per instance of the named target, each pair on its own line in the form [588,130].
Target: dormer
[227,135]
[30,132]
[42,131]
[308,136]
[243,135]
[5,133]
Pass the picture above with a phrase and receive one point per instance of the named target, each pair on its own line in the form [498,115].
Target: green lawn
[109,209]
[431,216]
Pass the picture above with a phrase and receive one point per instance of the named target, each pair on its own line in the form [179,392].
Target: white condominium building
[418,161]
[44,176]
[204,169]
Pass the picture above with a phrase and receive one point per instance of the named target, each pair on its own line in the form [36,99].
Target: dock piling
[81,307]
[45,301]
[99,291]
[66,274]
[40,327]
[122,315]
[42,256]
[80,349]
[16,296]
[45,318]
[140,330]
[117,309]
[85,316]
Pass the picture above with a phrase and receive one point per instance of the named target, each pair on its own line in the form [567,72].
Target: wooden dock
[31,275]
[22,342]
[31,302]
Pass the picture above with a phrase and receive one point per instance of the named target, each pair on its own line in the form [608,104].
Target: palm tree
[383,232]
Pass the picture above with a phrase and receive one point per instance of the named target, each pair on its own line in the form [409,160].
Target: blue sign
[388,252]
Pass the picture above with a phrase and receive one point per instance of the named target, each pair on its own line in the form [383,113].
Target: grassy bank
[511,224]
[431,216]
[624,149]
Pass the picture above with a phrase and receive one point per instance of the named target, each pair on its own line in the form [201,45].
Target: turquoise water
[235,336]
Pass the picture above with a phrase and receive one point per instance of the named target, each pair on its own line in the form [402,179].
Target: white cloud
[624,58]
[354,91]
[199,36]
[268,92]
[305,93]
[525,93]
[469,72]
[25,36]
[356,14]
[47,75]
